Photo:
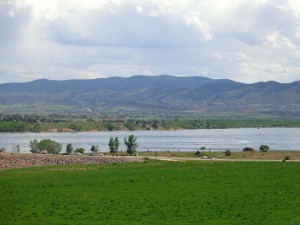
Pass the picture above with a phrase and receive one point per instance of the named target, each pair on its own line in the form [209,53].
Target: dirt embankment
[11,161]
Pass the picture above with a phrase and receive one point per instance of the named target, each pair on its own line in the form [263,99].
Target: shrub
[199,153]
[248,149]
[264,148]
[79,150]
[227,152]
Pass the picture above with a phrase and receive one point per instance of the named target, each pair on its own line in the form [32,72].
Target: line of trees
[52,147]
[18,123]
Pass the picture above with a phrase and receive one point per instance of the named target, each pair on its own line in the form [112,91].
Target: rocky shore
[12,161]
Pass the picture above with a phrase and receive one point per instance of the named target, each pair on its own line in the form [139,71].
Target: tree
[131,144]
[113,145]
[264,148]
[50,146]
[94,149]
[34,147]
[79,150]
[18,148]
[129,125]
[69,149]
[47,145]
[74,126]
[110,126]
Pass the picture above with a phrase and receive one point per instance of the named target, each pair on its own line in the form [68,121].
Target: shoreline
[50,131]
[23,160]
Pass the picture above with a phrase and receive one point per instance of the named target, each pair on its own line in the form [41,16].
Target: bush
[264,148]
[199,153]
[79,150]
[227,152]
[248,149]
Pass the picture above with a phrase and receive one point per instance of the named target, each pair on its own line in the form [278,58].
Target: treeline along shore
[40,123]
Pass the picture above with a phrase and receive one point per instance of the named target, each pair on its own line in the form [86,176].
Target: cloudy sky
[243,40]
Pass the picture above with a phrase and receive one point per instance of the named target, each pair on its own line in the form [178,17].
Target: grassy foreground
[153,192]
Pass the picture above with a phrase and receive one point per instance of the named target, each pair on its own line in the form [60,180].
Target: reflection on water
[180,140]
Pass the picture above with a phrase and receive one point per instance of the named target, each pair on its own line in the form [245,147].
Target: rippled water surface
[180,140]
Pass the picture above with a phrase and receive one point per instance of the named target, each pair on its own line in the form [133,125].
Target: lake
[175,140]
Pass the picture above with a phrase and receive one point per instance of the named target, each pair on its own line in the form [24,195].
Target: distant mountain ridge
[153,95]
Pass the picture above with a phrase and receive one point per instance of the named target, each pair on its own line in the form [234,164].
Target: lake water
[179,140]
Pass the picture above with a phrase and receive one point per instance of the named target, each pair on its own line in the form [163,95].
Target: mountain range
[153,95]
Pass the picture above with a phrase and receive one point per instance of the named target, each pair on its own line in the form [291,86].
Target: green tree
[34,146]
[74,126]
[94,149]
[79,150]
[110,126]
[50,146]
[130,125]
[69,149]
[113,145]
[264,148]
[47,145]
[131,144]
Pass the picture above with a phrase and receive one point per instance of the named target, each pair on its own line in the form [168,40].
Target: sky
[242,40]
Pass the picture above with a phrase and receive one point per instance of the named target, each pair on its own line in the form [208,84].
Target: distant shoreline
[134,124]
[67,130]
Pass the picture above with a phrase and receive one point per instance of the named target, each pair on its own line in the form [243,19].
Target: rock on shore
[11,161]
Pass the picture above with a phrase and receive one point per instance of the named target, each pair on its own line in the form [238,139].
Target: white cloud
[62,39]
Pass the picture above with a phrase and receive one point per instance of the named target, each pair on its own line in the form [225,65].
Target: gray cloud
[64,39]
[13,21]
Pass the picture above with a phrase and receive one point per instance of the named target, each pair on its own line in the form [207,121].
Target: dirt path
[183,159]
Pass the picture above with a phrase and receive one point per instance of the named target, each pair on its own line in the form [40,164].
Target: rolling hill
[153,95]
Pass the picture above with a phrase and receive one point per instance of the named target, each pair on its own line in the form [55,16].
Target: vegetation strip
[66,123]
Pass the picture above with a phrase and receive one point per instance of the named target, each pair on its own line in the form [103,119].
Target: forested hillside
[153,95]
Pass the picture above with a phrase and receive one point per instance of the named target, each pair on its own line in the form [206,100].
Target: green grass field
[153,192]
